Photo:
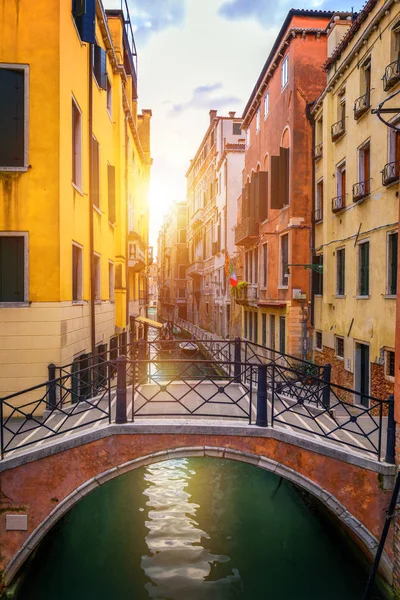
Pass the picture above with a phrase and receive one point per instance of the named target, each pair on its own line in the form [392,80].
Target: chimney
[337,29]
[232,114]
[213,114]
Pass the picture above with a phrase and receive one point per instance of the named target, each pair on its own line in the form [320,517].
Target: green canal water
[195,529]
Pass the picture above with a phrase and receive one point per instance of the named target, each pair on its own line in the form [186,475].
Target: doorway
[362,374]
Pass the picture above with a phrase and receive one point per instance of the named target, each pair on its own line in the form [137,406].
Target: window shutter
[284,176]
[85,22]
[247,192]
[254,203]
[263,194]
[99,66]
[275,188]
[12,118]
[111,194]
[95,173]
[12,269]
[78,7]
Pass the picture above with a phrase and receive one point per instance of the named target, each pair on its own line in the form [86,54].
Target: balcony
[362,105]
[392,75]
[136,256]
[337,130]
[338,203]
[246,231]
[390,172]
[361,190]
[195,269]
[318,215]
[247,295]
[318,151]
[197,218]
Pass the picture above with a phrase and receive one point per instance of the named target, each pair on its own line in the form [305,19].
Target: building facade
[356,202]
[172,258]
[75,150]
[274,210]
[213,185]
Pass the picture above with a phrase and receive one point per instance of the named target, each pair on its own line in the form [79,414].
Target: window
[250,326]
[13,115]
[340,271]
[111,285]
[264,329]
[266,104]
[255,328]
[99,66]
[340,201]
[285,71]
[76,273]
[264,266]
[109,96]
[95,173]
[284,276]
[389,363]
[319,199]
[181,271]
[282,335]
[258,119]
[318,275]
[272,332]
[318,340]
[182,236]
[84,13]
[362,188]
[339,346]
[392,245]
[111,193]
[245,324]
[236,128]
[96,275]
[363,269]
[76,145]
[247,137]
[13,268]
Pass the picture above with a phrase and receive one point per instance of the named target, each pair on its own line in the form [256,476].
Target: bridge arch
[364,536]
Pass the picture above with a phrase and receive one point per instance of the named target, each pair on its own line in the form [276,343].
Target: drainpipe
[91,234]
[312,231]
[126,225]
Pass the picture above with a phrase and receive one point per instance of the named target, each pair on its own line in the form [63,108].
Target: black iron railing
[338,203]
[391,75]
[362,104]
[338,129]
[361,190]
[390,172]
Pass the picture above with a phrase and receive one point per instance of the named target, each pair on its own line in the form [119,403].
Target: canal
[195,529]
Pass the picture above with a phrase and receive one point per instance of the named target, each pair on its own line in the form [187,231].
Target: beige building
[356,175]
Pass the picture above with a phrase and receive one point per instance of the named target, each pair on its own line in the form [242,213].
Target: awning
[148,322]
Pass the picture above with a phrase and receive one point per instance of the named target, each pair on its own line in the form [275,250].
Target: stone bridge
[42,482]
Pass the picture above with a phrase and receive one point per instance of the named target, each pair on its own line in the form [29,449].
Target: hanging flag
[233,279]
[227,259]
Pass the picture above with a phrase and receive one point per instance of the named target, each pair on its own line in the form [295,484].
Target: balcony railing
[318,151]
[362,104]
[318,215]
[195,269]
[361,190]
[246,231]
[248,294]
[392,75]
[337,130]
[338,203]
[390,172]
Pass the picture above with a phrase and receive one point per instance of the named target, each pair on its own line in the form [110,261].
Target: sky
[194,56]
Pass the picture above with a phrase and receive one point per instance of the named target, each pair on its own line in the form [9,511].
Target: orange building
[274,220]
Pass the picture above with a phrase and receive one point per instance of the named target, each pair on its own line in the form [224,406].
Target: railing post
[391,433]
[326,390]
[237,361]
[262,416]
[51,389]
[120,416]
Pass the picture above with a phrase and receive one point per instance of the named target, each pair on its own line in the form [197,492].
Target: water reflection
[178,565]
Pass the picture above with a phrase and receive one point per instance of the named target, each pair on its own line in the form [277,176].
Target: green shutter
[364,269]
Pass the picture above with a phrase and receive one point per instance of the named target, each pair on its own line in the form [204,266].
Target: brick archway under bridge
[45,483]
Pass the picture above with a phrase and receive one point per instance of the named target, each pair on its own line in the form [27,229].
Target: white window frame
[266,104]
[258,119]
[111,281]
[340,167]
[25,301]
[25,68]
[285,72]
[366,241]
[339,337]
[78,142]
[360,157]
[386,352]
[79,300]
[342,248]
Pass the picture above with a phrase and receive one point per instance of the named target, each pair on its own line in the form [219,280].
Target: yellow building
[356,201]
[74,165]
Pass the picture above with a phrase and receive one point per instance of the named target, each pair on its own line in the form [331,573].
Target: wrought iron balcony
[318,151]
[390,172]
[337,130]
[195,269]
[246,231]
[318,215]
[338,203]
[362,104]
[361,190]
[392,75]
